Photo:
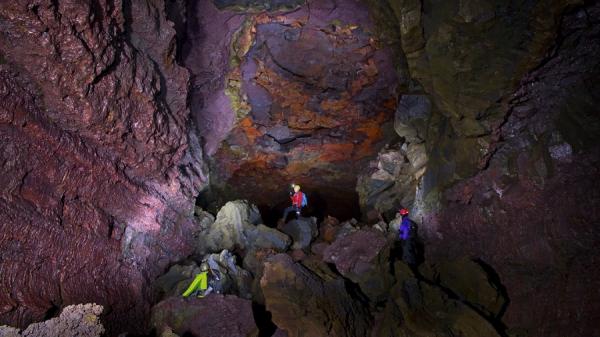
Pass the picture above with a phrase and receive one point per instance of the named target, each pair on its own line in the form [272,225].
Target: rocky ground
[331,279]
[118,116]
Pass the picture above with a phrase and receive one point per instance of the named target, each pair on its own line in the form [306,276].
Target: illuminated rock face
[313,94]
[99,170]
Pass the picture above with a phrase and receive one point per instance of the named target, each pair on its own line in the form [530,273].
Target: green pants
[200,283]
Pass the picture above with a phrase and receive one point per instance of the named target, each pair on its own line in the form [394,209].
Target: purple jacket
[405,228]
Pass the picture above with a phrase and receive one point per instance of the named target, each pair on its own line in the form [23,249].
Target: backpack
[304,200]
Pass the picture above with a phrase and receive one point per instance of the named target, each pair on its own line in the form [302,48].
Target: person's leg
[287,212]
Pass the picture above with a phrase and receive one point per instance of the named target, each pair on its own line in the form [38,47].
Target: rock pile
[81,320]
[327,279]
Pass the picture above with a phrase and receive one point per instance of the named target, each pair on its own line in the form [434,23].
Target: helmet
[403,212]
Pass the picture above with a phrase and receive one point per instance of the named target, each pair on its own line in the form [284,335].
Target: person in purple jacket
[408,237]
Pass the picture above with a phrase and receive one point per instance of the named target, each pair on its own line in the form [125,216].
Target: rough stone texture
[212,316]
[532,213]
[364,258]
[428,311]
[471,283]
[311,96]
[232,279]
[175,281]
[511,146]
[391,180]
[238,225]
[328,229]
[81,320]
[310,300]
[258,5]
[302,231]
[99,171]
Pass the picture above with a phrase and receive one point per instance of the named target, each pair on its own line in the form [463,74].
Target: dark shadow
[262,318]
[494,279]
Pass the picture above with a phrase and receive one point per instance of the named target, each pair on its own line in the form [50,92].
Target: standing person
[408,236]
[298,201]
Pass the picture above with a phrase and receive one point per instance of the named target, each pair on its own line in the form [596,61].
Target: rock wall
[99,169]
[510,148]
[304,95]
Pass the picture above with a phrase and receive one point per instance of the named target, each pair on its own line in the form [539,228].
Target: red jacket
[297,199]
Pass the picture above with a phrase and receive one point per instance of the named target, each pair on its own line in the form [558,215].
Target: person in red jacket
[297,198]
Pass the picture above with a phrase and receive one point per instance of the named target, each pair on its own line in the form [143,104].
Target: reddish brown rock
[531,213]
[363,257]
[212,316]
[328,229]
[99,169]
[310,300]
[312,123]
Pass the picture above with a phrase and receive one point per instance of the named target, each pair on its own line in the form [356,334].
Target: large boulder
[81,320]
[428,310]
[238,224]
[328,229]
[309,299]
[391,180]
[212,316]
[176,280]
[363,257]
[411,117]
[302,230]
[471,282]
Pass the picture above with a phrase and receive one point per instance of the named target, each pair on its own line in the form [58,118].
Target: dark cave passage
[480,117]
[309,98]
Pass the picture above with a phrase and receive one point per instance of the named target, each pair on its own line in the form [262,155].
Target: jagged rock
[80,320]
[347,227]
[470,282]
[310,300]
[212,316]
[100,165]
[328,229]
[289,95]
[238,225]
[226,277]
[254,261]
[392,180]
[204,219]
[319,248]
[258,5]
[427,310]
[297,255]
[167,332]
[268,238]
[7,331]
[280,333]
[412,115]
[302,231]
[363,257]
[175,281]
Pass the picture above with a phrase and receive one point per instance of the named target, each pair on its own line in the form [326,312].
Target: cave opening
[304,94]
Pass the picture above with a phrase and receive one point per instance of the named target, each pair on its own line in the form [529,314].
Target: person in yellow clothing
[199,285]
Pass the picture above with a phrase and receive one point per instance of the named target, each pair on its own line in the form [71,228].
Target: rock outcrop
[302,231]
[81,320]
[314,80]
[364,258]
[214,316]
[238,225]
[310,300]
[100,169]
[471,283]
